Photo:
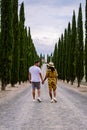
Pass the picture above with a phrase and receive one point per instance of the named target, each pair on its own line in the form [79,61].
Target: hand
[43,82]
[29,81]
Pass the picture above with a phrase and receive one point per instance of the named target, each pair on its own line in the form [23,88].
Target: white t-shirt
[35,73]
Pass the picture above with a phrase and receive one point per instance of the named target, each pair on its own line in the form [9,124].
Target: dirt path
[19,112]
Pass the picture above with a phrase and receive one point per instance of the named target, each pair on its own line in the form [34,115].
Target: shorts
[52,85]
[35,85]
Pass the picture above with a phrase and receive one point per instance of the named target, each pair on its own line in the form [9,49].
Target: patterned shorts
[52,84]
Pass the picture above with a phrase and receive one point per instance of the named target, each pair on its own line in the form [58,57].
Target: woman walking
[51,75]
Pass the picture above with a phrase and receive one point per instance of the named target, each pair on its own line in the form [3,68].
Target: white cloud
[43,47]
[48,19]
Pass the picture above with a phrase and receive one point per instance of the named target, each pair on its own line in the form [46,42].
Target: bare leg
[55,100]
[50,93]
[33,93]
[38,91]
[54,93]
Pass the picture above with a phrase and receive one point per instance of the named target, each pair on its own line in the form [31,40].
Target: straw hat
[51,64]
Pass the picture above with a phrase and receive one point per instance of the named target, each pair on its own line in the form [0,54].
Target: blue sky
[48,19]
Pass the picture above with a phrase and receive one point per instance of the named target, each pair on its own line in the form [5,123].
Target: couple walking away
[35,77]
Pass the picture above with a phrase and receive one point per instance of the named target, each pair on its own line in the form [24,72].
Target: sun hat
[51,64]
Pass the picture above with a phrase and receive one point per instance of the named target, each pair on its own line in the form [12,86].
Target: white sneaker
[34,100]
[51,101]
[55,100]
[39,100]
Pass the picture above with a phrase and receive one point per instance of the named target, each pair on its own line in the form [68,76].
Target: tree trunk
[78,84]
[3,87]
[71,82]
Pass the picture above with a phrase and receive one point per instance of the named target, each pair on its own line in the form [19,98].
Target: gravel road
[21,113]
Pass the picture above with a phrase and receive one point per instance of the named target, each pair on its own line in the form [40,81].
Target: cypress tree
[29,48]
[68,50]
[15,55]
[64,55]
[86,41]
[48,58]
[61,57]
[6,41]
[73,50]
[0,56]
[55,56]
[0,15]
[41,57]
[21,44]
[25,55]
[32,54]
[0,40]
[79,65]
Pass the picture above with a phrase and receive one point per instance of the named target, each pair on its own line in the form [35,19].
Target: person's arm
[46,76]
[29,77]
[41,77]
[44,80]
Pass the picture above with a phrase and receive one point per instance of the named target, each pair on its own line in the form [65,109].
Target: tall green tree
[25,76]
[15,52]
[41,58]
[48,58]
[60,58]
[68,52]
[73,50]
[31,51]
[0,15]
[79,65]
[64,55]
[0,38]
[29,48]
[55,55]
[21,44]
[6,41]
[86,41]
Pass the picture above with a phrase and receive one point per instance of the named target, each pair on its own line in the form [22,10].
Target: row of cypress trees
[70,54]
[17,51]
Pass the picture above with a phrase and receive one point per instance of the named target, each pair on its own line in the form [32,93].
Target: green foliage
[68,53]
[86,41]
[73,50]
[55,56]
[79,65]
[17,51]
[6,41]
[48,58]
[68,57]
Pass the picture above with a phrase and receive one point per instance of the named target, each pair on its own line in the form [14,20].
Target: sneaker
[51,101]
[55,100]
[39,100]
[34,100]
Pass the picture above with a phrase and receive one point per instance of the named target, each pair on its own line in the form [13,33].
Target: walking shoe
[39,100]
[55,100]
[34,100]
[51,101]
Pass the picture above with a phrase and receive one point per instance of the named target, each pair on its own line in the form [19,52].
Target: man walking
[35,77]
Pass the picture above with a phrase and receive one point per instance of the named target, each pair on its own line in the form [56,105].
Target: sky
[48,19]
